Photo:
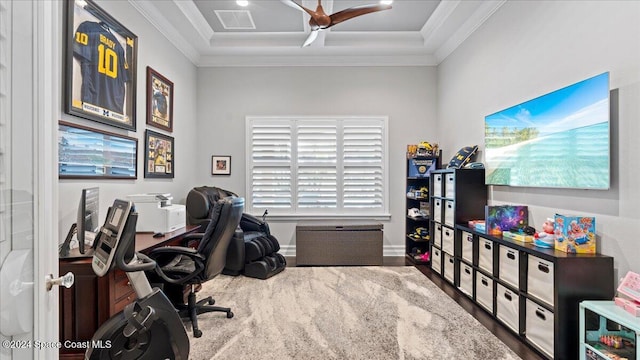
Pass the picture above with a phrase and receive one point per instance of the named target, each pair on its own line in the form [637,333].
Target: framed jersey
[101,58]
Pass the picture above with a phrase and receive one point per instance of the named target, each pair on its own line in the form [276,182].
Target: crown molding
[151,13]
[482,14]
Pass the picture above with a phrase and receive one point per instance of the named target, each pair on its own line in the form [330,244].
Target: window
[317,166]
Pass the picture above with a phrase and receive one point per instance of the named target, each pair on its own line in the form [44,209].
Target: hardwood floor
[500,331]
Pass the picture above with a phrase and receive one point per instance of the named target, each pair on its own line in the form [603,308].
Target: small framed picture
[159,155]
[159,101]
[220,165]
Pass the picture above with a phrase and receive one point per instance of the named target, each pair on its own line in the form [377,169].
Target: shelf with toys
[533,282]
[421,160]
[608,331]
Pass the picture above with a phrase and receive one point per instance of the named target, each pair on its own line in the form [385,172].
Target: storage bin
[539,327]
[436,260]
[485,255]
[450,185]
[438,235]
[449,267]
[447,240]
[437,210]
[466,279]
[467,247]
[540,279]
[437,184]
[484,291]
[449,207]
[507,307]
[508,269]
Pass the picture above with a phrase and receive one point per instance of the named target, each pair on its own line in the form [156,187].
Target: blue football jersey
[160,102]
[103,66]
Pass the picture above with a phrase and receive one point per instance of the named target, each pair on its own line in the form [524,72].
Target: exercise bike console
[111,232]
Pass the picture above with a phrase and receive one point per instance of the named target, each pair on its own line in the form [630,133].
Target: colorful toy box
[575,234]
[505,217]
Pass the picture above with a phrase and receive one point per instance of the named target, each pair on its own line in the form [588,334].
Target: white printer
[157,214]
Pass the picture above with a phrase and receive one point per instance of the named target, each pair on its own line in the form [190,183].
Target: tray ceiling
[270,33]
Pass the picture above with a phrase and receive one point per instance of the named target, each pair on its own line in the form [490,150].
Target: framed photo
[101,57]
[158,156]
[159,101]
[89,153]
[220,165]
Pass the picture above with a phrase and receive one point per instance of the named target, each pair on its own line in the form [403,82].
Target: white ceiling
[413,32]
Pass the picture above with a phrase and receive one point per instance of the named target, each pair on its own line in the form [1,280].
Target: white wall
[529,48]
[226,95]
[153,50]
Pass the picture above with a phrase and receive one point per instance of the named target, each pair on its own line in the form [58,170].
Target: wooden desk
[92,299]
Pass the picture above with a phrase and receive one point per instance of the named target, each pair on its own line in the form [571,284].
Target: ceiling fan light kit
[320,20]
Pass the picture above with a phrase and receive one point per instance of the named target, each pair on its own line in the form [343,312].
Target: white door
[29,112]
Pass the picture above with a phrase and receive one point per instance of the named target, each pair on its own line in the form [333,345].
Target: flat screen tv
[558,140]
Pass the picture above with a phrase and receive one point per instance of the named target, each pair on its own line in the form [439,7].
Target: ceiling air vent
[235,19]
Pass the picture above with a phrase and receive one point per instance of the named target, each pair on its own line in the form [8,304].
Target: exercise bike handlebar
[125,254]
[145,263]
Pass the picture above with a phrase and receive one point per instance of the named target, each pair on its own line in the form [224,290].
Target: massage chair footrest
[265,267]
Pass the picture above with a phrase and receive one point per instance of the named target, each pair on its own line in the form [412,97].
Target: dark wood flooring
[500,331]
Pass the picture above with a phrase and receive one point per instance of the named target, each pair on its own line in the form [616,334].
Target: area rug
[340,313]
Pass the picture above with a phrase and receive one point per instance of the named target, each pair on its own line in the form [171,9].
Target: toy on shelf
[546,238]
[575,234]
[629,288]
[505,217]
[424,148]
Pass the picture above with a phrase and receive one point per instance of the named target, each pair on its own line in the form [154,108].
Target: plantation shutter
[317,151]
[363,165]
[270,159]
[327,166]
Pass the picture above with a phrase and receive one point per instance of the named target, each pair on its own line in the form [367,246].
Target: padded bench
[338,243]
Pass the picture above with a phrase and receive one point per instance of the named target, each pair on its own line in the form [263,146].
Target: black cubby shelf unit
[534,292]
[417,235]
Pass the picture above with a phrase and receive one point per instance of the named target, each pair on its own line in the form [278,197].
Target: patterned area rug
[340,313]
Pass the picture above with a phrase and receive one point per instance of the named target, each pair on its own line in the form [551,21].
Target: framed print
[89,153]
[220,165]
[159,101]
[101,57]
[158,156]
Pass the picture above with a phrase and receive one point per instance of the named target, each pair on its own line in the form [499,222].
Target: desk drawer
[121,285]
[120,304]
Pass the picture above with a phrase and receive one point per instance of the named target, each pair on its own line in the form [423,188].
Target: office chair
[179,265]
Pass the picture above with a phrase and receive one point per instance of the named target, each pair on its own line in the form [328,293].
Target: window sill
[296,217]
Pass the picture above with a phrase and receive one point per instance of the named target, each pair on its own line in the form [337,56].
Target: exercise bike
[149,328]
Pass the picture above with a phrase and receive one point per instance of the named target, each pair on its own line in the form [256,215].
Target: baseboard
[386,261]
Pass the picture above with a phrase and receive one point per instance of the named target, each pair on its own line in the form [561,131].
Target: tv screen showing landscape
[558,140]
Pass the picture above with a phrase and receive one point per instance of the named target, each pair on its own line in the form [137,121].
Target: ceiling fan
[320,20]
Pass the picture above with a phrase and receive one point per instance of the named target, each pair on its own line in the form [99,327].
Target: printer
[157,214]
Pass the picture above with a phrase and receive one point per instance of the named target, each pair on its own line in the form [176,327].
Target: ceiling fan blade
[312,37]
[349,13]
[295,5]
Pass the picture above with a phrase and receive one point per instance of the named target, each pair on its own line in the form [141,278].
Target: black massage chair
[253,251]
